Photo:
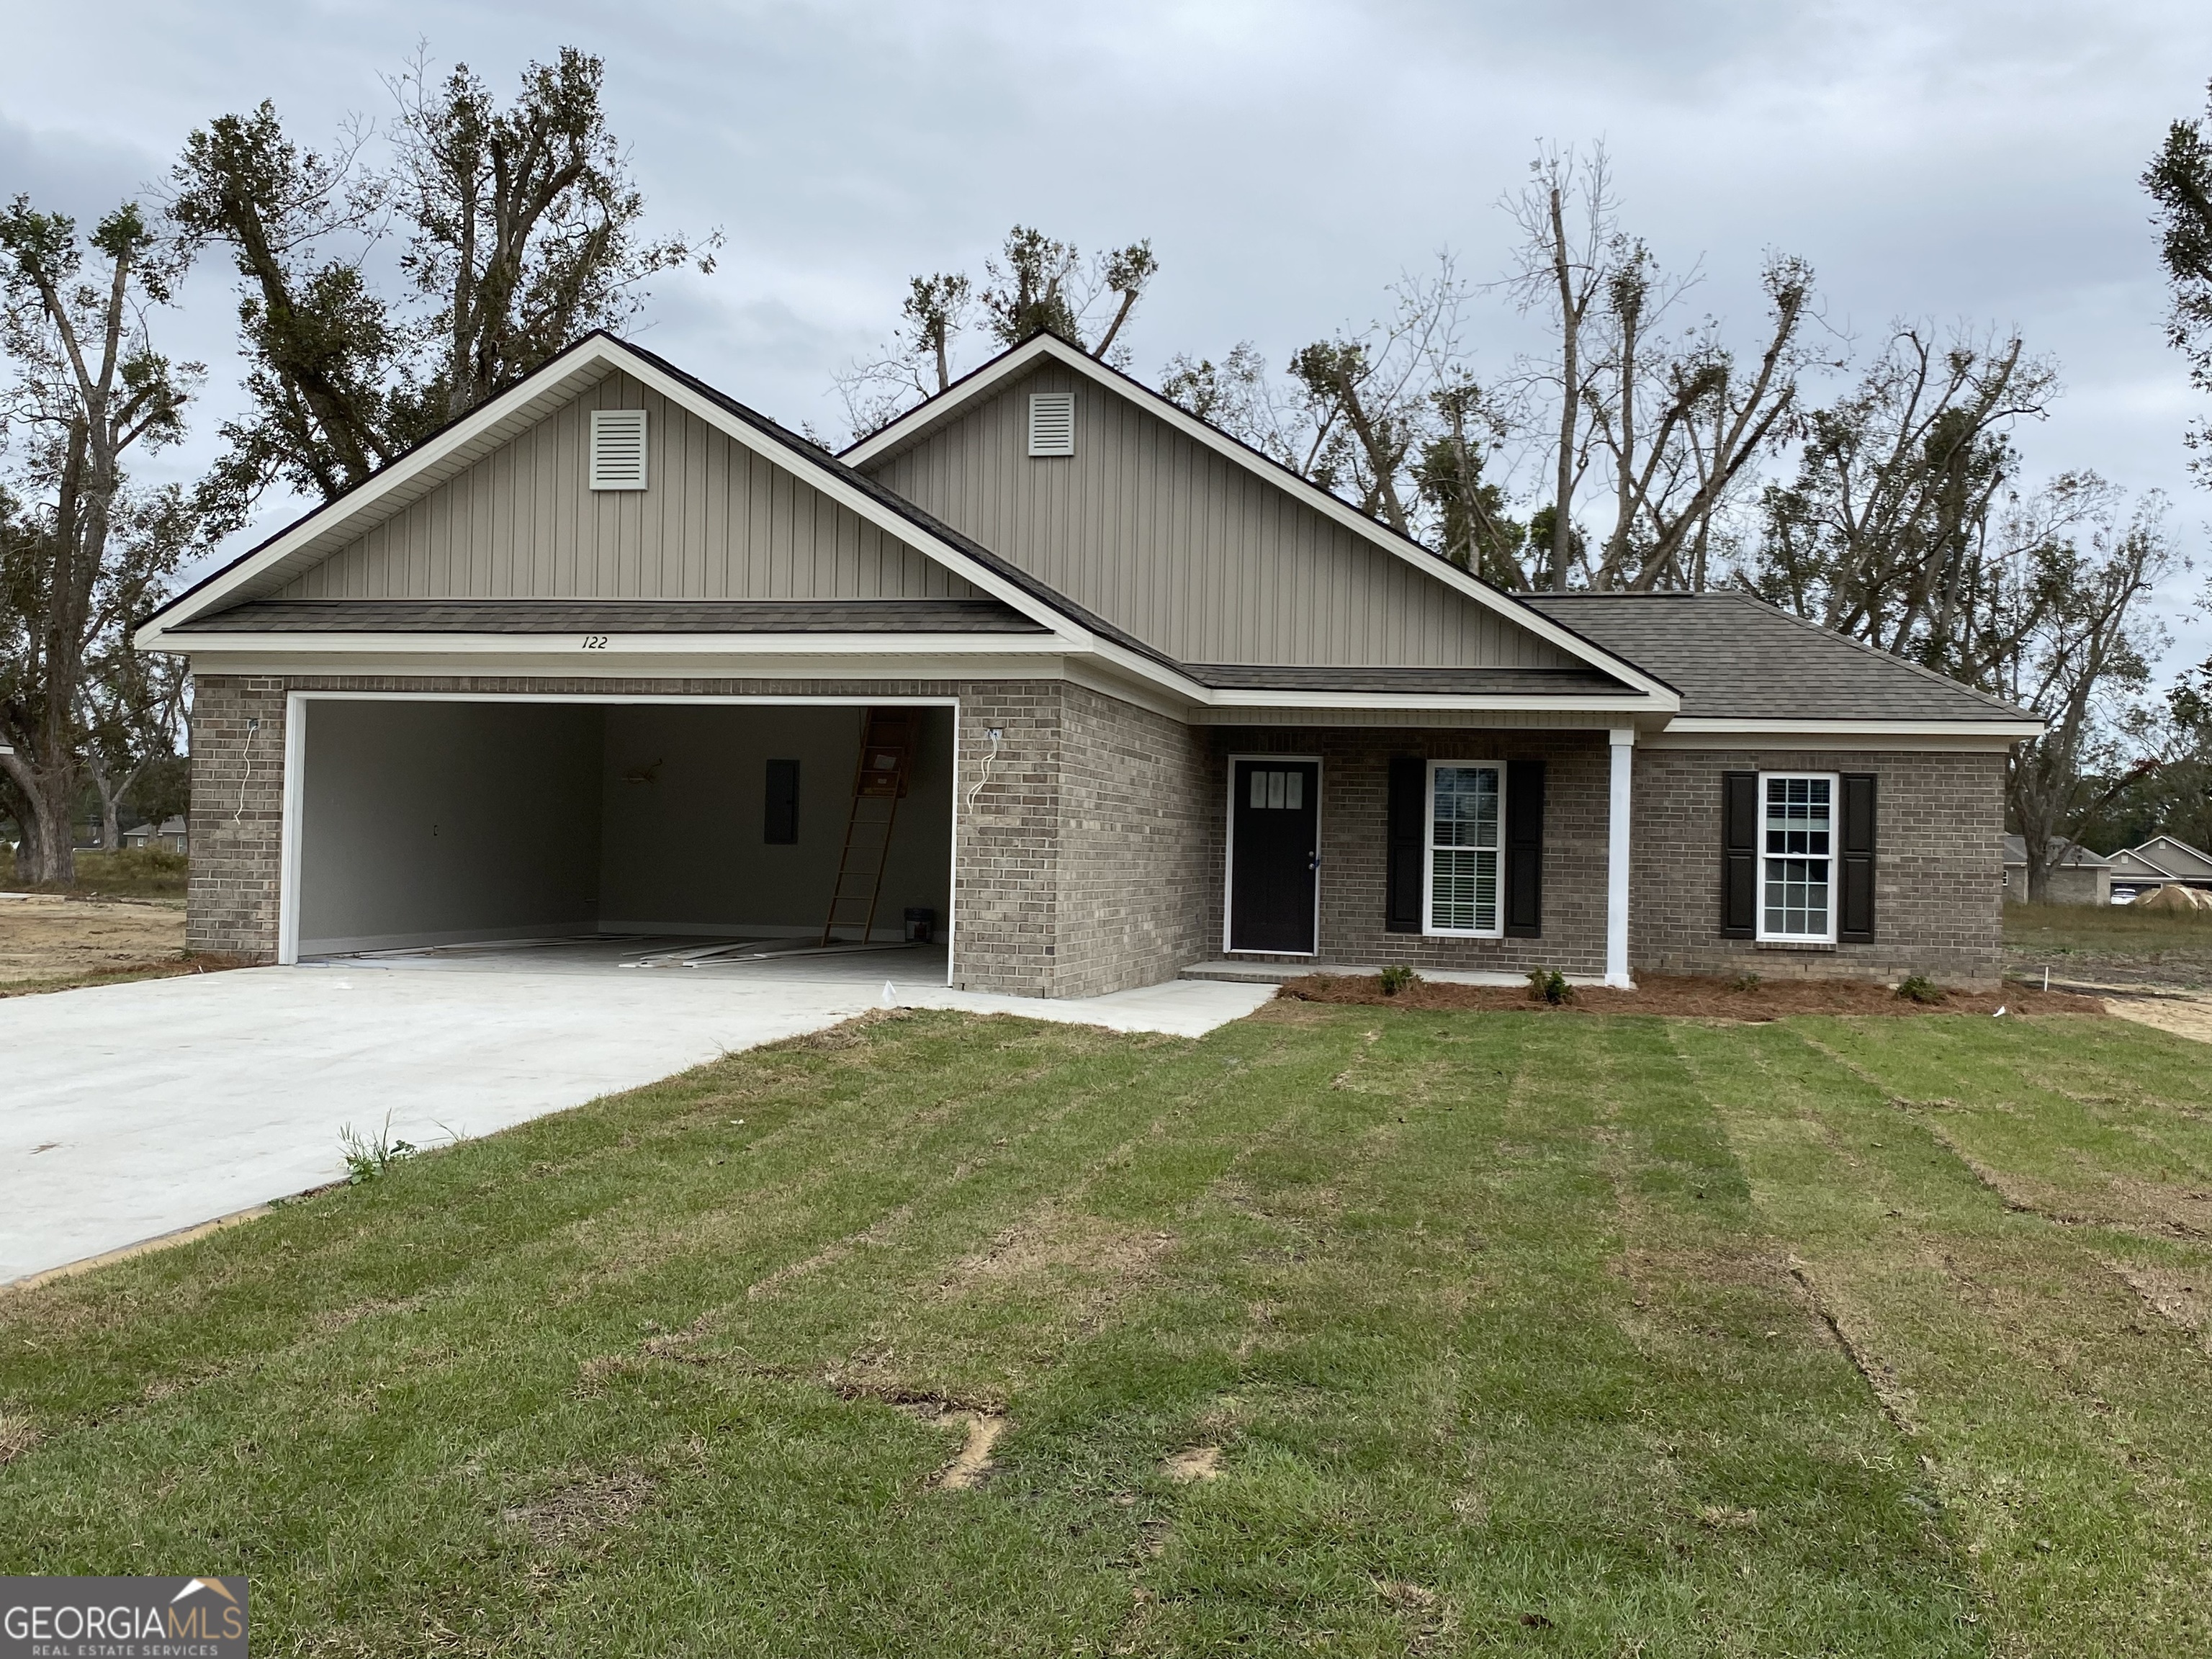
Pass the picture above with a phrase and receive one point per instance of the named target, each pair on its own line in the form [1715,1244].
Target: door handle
[1312,860]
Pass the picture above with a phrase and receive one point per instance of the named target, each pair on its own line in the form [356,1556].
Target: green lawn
[1535,1334]
[143,873]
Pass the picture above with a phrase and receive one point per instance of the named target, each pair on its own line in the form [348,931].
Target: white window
[1467,814]
[1798,856]
[1278,791]
[1052,423]
[617,449]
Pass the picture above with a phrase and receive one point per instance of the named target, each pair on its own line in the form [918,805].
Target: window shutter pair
[1739,855]
[1407,843]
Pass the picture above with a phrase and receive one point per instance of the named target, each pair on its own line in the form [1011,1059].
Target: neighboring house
[2078,876]
[168,834]
[1176,704]
[2161,861]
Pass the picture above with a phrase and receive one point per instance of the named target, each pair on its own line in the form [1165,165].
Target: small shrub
[1745,982]
[367,1158]
[1918,987]
[1550,984]
[1397,978]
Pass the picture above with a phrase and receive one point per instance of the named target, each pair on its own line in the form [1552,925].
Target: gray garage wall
[428,823]
[685,794]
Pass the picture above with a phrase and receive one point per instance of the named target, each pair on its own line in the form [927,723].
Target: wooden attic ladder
[888,737]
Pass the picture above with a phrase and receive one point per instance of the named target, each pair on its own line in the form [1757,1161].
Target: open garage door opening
[437,824]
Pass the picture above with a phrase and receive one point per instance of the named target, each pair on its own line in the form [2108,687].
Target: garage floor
[128,1111]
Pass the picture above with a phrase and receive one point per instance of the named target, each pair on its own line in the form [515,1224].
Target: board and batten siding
[717,520]
[1193,554]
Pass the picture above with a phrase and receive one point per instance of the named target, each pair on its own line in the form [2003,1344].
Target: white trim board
[295,742]
[1011,364]
[1229,853]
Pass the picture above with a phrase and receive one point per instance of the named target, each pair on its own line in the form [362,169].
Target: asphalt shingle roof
[1733,657]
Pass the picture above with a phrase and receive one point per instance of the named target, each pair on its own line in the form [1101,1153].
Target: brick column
[237,815]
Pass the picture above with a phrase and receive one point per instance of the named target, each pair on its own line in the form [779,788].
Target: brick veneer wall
[237,817]
[1076,866]
[1354,818]
[1134,881]
[1938,864]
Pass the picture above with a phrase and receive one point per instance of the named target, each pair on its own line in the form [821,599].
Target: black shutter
[779,823]
[1408,838]
[1524,849]
[1854,912]
[1739,854]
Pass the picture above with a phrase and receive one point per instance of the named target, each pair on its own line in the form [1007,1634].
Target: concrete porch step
[1275,972]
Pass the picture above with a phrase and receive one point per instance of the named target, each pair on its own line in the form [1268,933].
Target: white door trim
[1229,863]
[295,754]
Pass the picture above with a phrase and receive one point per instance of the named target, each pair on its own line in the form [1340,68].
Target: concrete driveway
[130,1111]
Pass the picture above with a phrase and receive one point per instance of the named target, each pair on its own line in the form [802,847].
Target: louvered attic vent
[1052,423]
[617,449]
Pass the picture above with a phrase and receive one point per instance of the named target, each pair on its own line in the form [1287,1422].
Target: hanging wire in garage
[251,727]
[986,777]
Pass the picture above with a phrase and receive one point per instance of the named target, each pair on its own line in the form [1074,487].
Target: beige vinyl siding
[718,522]
[1190,552]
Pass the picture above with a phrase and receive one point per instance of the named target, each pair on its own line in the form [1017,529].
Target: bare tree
[1881,532]
[2069,642]
[1033,284]
[1570,252]
[1680,426]
[81,554]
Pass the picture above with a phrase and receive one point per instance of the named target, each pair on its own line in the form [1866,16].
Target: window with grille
[617,449]
[1797,852]
[1052,423]
[1466,815]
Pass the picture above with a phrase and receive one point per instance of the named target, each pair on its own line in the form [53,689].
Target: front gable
[717,520]
[1207,561]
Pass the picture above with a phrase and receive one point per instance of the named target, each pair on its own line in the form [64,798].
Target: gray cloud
[1972,160]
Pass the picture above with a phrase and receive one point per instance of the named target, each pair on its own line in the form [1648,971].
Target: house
[2161,861]
[168,834]
[1169,704]
[2078,876]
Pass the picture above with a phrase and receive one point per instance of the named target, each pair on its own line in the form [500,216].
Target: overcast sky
[1958,162]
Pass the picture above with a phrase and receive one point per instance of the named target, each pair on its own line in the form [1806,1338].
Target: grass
[142,873]
[1517,1334]
[2114,943]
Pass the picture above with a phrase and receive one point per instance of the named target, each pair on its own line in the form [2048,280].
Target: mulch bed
[1690,996]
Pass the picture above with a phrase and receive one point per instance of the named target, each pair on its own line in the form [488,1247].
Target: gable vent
[1052,423]
[617,449]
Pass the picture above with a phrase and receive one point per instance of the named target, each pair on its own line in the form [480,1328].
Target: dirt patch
[2156,1207]
[971,1465]
[17,1436]
[1690,996]
[575,1513]
[45,936]
[2183,1299]
[2183,1016]
[1050,1244]
[1194,1463]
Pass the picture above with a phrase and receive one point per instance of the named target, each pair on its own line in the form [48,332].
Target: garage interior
[693,827]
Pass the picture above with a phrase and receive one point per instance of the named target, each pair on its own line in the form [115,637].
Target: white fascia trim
[1612,709]
[617,645]
[1342,512]
[1990,736]
[599,350]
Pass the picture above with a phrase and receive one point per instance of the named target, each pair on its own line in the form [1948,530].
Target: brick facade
[1077,870]
[1092,851]
[1938,866]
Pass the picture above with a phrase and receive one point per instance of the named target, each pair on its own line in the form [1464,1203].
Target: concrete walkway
[130,1111]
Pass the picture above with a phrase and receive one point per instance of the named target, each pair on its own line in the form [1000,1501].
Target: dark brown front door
[1274,831]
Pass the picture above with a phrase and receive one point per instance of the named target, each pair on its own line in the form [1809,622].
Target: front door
[1274,840]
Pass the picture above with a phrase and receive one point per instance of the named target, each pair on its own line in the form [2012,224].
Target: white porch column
[1622,748]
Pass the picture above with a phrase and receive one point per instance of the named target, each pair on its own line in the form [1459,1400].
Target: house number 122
[595,641]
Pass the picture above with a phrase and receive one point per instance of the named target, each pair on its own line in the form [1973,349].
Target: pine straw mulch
[1690,996]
